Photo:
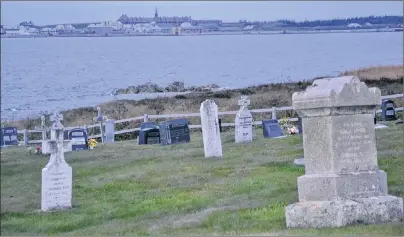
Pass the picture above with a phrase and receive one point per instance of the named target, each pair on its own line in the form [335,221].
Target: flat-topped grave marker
[174,131]
[271,128]
[9,136]
[243,122]
[342,184]
[79,138]
[212,142]
[57,174]
[149,134]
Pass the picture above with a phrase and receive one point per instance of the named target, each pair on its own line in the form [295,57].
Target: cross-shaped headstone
[244,102]
[57,174]
[101,119]
[57,127]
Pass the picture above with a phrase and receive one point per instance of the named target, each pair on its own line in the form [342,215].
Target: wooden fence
[146,118]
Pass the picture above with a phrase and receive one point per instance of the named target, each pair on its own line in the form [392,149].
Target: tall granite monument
[342,183]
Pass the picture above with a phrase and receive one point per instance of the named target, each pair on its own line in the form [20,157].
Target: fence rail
[145,118]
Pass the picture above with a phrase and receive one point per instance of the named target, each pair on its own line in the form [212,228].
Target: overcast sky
[42,13]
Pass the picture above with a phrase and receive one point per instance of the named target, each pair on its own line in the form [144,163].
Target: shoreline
[389,79]
[292,32]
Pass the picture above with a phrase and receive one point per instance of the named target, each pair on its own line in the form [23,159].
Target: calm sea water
[44,74]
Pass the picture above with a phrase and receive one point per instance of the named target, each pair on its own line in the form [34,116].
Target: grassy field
[126,189]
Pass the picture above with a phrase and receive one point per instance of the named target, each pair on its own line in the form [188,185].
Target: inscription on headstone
[174,131]
[271,128]
[243,122]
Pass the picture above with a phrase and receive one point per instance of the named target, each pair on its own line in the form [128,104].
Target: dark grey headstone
[149,133]
[388,110]
[174,131]
[271,128]
[9,136]
[79,138]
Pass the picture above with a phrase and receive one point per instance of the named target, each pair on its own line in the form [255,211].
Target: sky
[54,12]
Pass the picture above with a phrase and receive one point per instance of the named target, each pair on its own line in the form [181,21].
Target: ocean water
[46,74]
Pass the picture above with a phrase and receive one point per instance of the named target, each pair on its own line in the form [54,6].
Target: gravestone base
[327,187]
[324,214]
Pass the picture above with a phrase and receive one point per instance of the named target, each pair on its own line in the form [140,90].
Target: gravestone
[100,118]
[243,122]
[212,142]
[388,110]
[109,131]
[271,128]
[149,133]
[342,184]
[57,174]
[79,138]
[174,131]
[9,136]
[45,149]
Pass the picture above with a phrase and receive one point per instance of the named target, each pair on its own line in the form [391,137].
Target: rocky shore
[176,86]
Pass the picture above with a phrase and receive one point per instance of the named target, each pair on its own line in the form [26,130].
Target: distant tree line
[374,20]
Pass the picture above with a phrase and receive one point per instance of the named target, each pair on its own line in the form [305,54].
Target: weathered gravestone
[45,149]
[243,122]
[342,183]
[388,110]
[174,131]
[100,118]
[79,138]
[271,128]
[109,131]
[9,136]
[57,174]
[149,133]
[212,142]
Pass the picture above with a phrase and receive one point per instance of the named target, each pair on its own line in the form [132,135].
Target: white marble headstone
[243,122]
[212,142]
[57,174]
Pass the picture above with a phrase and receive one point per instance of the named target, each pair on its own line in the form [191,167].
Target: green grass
[126,189]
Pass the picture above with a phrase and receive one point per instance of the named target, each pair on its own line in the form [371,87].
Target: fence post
[25,132]
[145,118]
[273,112]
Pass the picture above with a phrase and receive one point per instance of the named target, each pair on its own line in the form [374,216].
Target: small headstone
[101,119]
[57,174]
[243,122]
[149,133]
[342,183]
[212,142]
[9,136]
[174,131]
[79,138]
[388,110]
[109,131]
[271,128]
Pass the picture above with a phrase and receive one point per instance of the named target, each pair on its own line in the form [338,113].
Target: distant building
[173,21]
[33,31]
[65,28]
[17,31]
[354,25]
[26,24]
[368,25]
[49,31]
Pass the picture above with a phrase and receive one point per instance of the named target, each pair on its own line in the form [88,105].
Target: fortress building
[173,21]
